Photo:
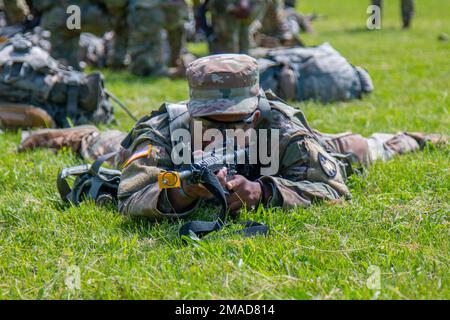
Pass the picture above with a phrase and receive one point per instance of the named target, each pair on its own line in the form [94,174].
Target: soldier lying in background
[311,73]
[225,94]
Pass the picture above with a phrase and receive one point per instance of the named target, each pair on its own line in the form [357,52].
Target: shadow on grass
[362,30]
[123,76]
[168,229]
[356,30]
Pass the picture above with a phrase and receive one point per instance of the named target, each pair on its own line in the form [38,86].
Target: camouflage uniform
[137,25]
[407,8]
[309,169]
[297,22]
[176,14]
[65,42]
[275,29]
[146,20]
[231,24]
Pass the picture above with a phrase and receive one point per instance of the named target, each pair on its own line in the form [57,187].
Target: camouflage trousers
[235,35]
[274,23]
[379,146]
[137,25]
[232,34]
[14,12]
[176,13]
[146,20]
[407,8]
[65,41]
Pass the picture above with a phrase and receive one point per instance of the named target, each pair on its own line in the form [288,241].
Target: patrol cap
[223,84]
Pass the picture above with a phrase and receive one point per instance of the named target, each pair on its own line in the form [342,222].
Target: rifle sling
[202,228]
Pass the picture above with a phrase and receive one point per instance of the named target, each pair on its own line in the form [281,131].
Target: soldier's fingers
[222,176]
[232,198]
[235,206]
[197,153]
[203,192]
[198,190]
[235,183]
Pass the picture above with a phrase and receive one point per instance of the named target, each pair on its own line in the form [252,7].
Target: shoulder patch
[328,166]
[142,153]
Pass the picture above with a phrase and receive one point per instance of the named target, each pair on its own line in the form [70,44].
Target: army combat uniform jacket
[307,171]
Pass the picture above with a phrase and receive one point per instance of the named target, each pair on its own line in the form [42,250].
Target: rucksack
[312,73]
[31,79]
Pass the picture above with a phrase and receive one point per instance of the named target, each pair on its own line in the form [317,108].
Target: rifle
[204,172]
[212,162]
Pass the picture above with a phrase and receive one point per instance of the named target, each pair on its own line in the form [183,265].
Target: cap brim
[214,107]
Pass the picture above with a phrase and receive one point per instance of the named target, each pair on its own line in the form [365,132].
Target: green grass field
[398,221]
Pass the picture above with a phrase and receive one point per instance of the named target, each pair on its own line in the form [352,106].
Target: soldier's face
[224,122]
[240,124]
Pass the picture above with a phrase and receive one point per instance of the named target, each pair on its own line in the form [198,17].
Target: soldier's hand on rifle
[246,193]
[198,191]
[183,199]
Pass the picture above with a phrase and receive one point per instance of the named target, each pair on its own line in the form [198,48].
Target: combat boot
[435,139]
[57,139]
[406,23]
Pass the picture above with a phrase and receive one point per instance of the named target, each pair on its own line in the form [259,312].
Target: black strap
[100,160]
[199,229]
[252,228]
[202,228]
[63,187]
[212,183]
[72,99]
[96,181]
[265,121]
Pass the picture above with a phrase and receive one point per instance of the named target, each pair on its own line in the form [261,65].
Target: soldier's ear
[256,117]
